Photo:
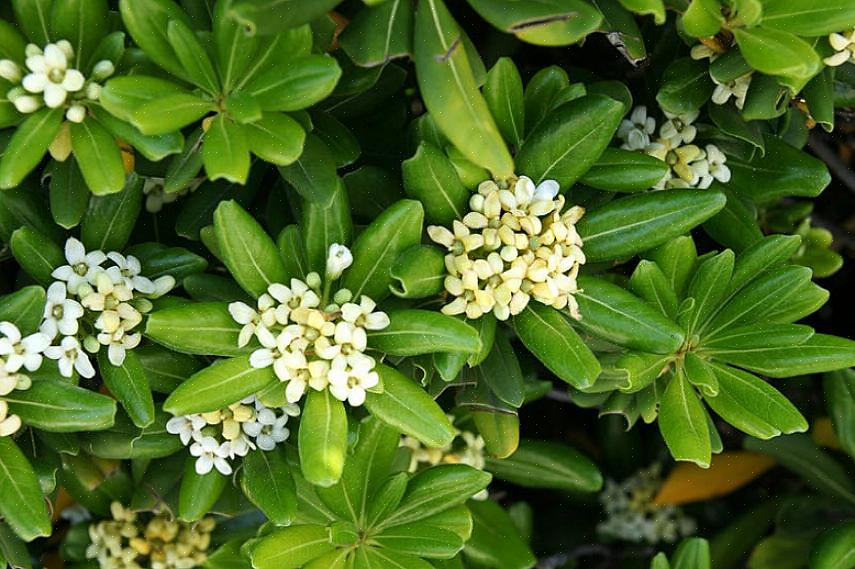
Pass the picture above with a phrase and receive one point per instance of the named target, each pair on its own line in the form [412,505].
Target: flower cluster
[632,514]
[690,165]
[17,352]
[311,342]
[736,88]
[466,448]
[137,541]
[219,436]
[50,79]
[98,299]
[514,245]
[844,48]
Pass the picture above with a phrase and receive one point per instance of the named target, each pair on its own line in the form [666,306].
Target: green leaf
[549,336]
[408,408]
[677,259]
[544,464]
[59,407]
[275,138]
[166,369]
[683,422]
[419,272]
[205,328]
[248,251]
[271,16]
[619,170]
[703,18]
[753,406]
[266,480]
[545,22]
[430,177]
[685,87]
[495,539]
[692,553]
[184,110]
[414,332]
[225,151]
[199,492]
[542,93]
[313,174]
[110,219]
[776,52]
[708,288]
[297,85]
[28,145]
[420,539]
[123,95]
[379,245]
[571,140]
[69,196]
[84,21]
[835,549]
[701,375]
[21,501]
[819,354]
[616,315]
[36,254]
[192,56]
[501,371]
[129,384]
[235,48]
[293,252]
[807,17]
[322,438]
[290,548]
[148,21]
[628,225]
[839,390]
[500,431]
[503,92]
[736,225]
[325,225]
[127,441]
[786,171]
[218,386]
[450,92]
[435,490]
[802,456]
[379,34]
[770,252]
[757,337]
[24,308]
[730,121]
[650,283]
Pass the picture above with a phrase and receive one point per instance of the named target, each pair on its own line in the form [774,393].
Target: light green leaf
[776,52]
[199,492]
[275,138]
[21,501]
[414,332]
[544,464]
[109,221]
[619,170]
[503,92]
[324,225]
[59,407]
[808,17]
[204,328]
[322,438]
[683,422]
[835,549]
[225,151]
[495,540]
[28,145]
[129,384]
[544,22]
[266,480]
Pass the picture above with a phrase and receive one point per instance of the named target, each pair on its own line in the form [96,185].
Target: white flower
[339,258]
[844,48]
[268,429]
[678,129]
[635,131]
[738,89]
[717,167]
[351,376]
[8,380]
[363,314]
[71,356]
[51,75]
[21,352]
[187,427]
[82,267]
[9,424]
[211,454]
[243,314]
[118,343]
[61,313]
[127,271]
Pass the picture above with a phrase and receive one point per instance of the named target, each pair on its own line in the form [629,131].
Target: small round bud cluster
[16,353]
[134,540]
[217,437]
[466,448]
[632,515]
[311,342]
[97,300]
[49,78]
[690,165]
[514,245]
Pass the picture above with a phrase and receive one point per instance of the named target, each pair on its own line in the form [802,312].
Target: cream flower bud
[103,69]
[339,258]
[76,113]
[10,71]
[26,104]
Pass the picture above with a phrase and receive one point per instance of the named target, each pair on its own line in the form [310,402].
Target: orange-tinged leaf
[728,472]
[823,434]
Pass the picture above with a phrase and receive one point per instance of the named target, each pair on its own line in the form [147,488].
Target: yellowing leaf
[728,472]
[823,434]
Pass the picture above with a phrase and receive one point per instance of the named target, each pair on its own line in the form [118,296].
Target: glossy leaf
[28,145]
[266,480]
[218,386]
[543,464]
[503,92]
[619,170]
[60,407]
[683,423]
[109,221]
[21,501]
[205,328]
[322,438]
[129,384]
[413,332]
[198,492]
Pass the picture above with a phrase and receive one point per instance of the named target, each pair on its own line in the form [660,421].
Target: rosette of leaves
[244,88]
[52,411]
[543,123]
[376,515]
[87,152]
[726,317]
[255,261]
